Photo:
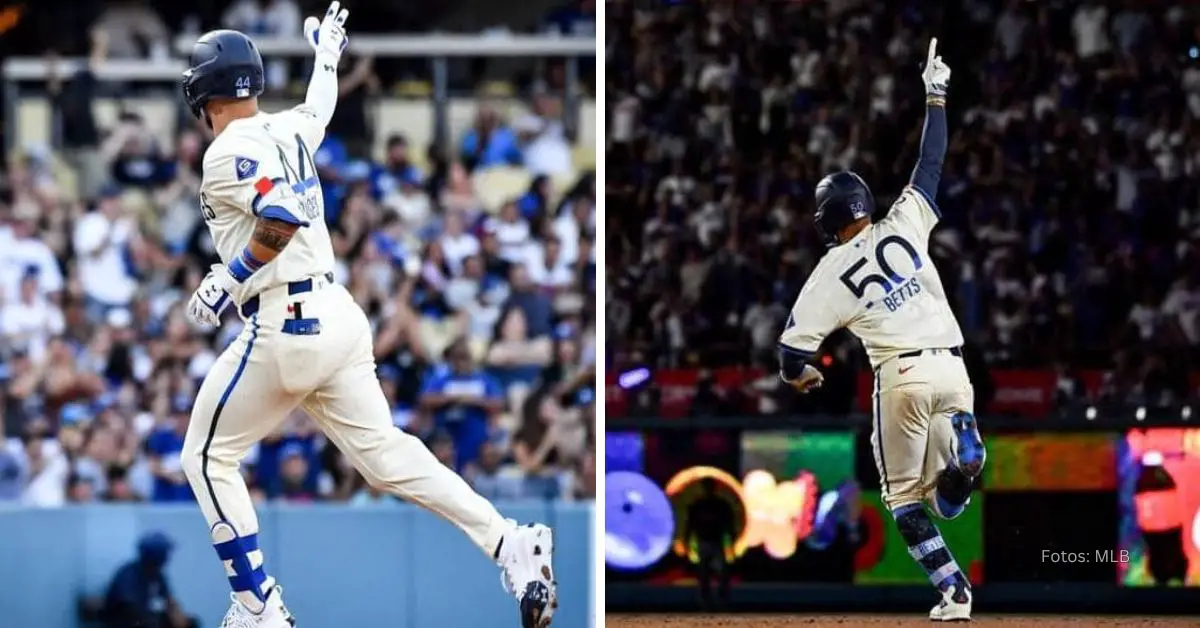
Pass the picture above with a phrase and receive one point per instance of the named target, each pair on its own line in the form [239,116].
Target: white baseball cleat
[955,605]
[526,557]
[273,615]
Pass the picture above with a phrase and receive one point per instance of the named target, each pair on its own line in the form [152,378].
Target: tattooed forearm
[272,235]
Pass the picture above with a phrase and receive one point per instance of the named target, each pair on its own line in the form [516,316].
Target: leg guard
[926,546]
[243,562]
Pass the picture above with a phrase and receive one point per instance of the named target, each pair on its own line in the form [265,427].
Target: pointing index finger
[932,51]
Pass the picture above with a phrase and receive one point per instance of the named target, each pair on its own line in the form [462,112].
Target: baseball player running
[306,342]
[878,281]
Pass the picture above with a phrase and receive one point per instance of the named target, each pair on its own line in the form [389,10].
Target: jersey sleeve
[917,210]
[232,167]
[813,317]
[307,122]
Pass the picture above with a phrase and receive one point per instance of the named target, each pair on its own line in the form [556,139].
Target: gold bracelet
[935,101]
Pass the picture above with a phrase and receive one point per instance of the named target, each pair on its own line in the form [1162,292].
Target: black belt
[250,307]
[954,351]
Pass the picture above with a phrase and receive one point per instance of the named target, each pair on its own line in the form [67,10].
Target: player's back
[279,147]
[883,286]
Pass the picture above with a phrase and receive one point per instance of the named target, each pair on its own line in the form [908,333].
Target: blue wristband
[244,265]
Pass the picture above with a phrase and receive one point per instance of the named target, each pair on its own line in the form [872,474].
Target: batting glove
[810,379]
[936,74]
[328,36]
[212,297]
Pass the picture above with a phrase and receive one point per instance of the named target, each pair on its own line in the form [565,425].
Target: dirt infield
[895,621]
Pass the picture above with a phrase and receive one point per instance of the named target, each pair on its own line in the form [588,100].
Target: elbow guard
[792,361]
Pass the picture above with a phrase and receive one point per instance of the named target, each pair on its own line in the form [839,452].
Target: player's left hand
[328,36]
[212,297]
[810,379]
[937,73]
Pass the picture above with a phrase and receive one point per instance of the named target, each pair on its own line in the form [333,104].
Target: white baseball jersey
[882,286]
[278,146]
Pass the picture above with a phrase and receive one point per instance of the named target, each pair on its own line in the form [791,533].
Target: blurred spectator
[25,255]
[163,447]
[463,400]
[356,82]
[543,145]
[100,239]
[29,321]
[516,358]
[48,471]
[135,157]
[119,488]
[396,170]
[131,29]
[491,478]
[548,267]
[287,464]
[533,303]
[459,193]
[293,475]
[489,142]
[511,231]
[548,443]
[456,243]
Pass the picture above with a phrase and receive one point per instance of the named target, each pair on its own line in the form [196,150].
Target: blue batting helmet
[223,64]
[842,198]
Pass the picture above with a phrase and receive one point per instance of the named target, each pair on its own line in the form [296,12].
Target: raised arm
[327,37]
[928,173]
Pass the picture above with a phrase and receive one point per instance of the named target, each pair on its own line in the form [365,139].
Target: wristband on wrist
[935,100]
[245,265]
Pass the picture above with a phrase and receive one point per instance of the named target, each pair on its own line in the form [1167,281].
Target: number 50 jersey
[882,286]
[280,147]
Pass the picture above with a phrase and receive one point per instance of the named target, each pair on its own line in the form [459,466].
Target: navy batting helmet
[224,64]
[842,198]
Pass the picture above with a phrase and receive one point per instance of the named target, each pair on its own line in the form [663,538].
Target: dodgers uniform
[878,281]
[882,286]
[305,343]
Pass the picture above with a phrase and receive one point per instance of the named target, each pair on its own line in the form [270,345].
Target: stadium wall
[388,565]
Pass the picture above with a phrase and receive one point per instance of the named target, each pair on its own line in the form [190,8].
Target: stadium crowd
[1070,194]
[483,306]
